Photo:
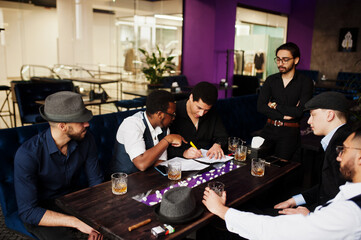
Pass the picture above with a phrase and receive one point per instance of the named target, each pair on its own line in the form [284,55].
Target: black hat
[65,106]
[328,100]
[178,206]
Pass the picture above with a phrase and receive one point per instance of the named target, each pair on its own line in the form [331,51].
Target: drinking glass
[257,167]
[119,183]
[241,153]
[217,187]
[232,144]
[174,170]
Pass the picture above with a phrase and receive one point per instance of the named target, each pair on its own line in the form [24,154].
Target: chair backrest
[180,79]
[350,80]
[313,74]
[27,93]
[246,85]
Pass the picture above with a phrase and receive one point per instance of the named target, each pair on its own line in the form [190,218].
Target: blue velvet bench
[239,115]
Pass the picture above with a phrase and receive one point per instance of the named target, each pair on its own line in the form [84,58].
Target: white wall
[30,38]
[104,40]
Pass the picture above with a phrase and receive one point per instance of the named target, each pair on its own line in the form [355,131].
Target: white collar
[154,131]
[326,139]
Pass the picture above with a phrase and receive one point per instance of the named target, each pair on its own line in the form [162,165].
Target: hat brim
[85,116]
[195,214]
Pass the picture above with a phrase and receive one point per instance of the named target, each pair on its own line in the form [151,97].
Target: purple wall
[300,29]
[209,28]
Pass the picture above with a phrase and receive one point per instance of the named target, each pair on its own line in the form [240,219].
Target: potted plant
[155,66]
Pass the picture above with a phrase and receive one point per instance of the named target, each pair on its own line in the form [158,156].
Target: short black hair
[158,100]
[357,130]
[292,47]
[205,91]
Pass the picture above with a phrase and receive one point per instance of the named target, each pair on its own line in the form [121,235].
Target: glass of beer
[241,153]
[217,187]
[233,144]
[257,167]
[119,183]
[174,170]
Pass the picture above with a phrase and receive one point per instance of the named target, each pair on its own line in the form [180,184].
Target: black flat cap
[328,100]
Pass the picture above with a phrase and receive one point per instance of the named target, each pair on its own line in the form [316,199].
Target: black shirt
[290,99]
[210,130]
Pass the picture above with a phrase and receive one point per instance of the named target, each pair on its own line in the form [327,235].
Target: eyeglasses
[341,149]
[283,60]
[171,114]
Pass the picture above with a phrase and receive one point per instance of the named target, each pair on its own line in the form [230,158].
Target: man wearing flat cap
[328,116]
[49,165]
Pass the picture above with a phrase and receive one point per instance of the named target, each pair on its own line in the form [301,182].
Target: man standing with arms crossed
[282,99]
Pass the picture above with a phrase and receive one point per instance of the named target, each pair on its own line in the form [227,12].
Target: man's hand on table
[299,210]
[215,152]
[287,208]
[290,203]
[95,236]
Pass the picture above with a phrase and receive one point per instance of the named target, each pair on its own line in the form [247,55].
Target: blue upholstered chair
[180,79]
[27,93]
[130,103]
[313,74]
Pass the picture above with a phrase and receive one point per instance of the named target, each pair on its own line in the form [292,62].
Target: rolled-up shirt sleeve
[25,179]
[130,133]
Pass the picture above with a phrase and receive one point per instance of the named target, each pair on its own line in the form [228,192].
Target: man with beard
[328,116]
[339,218]
[143,139]
[49,165]
[282,100]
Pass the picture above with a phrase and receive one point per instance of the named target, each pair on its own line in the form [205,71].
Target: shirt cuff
[299,199]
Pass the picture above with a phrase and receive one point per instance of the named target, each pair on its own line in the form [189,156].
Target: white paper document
[187,164]
[209,160]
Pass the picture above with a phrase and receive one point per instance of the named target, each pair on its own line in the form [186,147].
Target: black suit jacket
[331,177]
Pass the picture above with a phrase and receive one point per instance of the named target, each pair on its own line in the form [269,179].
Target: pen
[192,144]
[135,226]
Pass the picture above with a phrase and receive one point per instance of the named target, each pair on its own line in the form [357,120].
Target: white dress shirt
[341,219]
[130,133]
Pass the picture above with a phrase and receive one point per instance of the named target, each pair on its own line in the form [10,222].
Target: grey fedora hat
[65,106]
[178,206]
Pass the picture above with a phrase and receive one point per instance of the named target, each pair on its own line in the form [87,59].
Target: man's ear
[191,97]
[62,127]
[330,115]
[297,60]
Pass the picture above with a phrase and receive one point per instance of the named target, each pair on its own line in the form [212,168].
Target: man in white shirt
[143,139]
[339,218]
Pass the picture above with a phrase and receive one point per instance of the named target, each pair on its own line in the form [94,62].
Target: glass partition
[258,34]
[99,36]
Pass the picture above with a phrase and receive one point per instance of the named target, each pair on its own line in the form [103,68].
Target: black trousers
[54,233]
[281,142]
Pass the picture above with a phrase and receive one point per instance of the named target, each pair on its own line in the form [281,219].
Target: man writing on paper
[143,139]
[198,121]
[339,218]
